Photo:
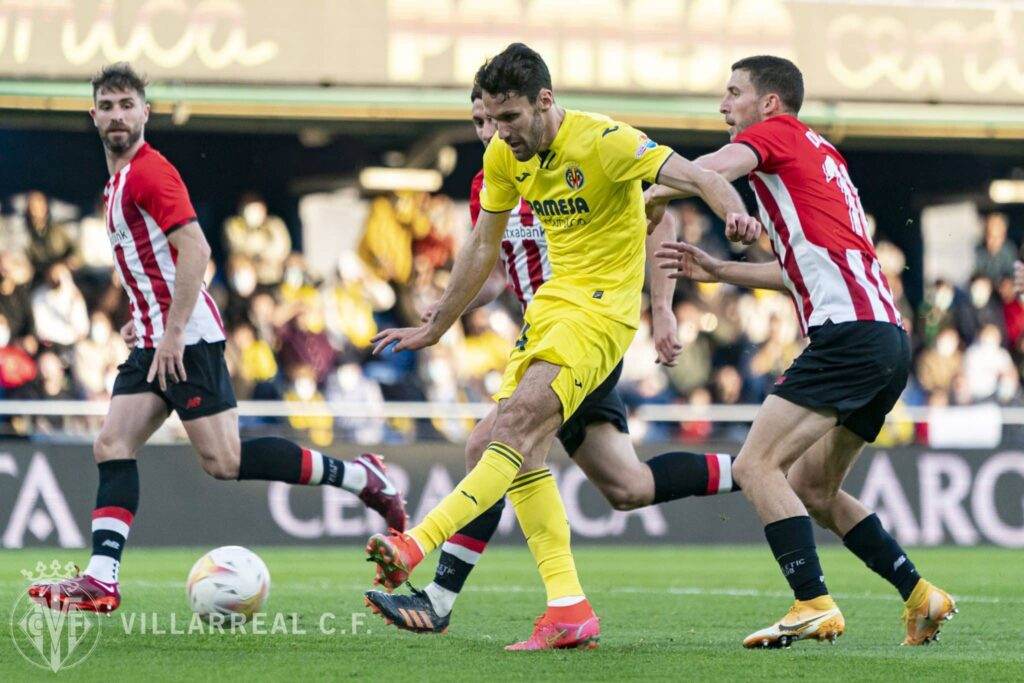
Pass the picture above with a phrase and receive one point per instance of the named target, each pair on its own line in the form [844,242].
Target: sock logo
[790,568]
[469,496]
[110,543]
[899,562]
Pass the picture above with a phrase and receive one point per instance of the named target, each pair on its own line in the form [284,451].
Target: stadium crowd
[295,335]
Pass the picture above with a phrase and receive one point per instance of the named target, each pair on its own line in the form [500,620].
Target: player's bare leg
[609,460]
[781,433]
[817,477]
[131,420]
[223,455]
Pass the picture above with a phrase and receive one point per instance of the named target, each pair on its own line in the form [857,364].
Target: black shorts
[207,391]
[858,369]
[601,405]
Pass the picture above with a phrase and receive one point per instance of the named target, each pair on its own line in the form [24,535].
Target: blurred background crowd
[303,336]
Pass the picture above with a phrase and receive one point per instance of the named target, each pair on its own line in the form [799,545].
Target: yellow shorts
[584,343]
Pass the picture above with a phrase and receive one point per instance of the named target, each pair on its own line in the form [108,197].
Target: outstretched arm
[692,263]
[682,174]
[733,161]
[472,265]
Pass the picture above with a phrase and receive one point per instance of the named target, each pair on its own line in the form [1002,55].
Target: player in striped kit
[177,359]
[596,437]
[834,397]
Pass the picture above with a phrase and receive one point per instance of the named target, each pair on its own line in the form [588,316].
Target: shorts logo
[780,381]
[645,144]
[574,177]
[193,403]
[598,294]
[578,383]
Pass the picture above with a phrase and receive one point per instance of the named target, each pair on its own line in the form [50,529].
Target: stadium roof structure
[842,120]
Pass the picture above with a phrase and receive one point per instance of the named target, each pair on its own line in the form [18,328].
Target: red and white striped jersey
[524,247]
[818,229]
[145,202]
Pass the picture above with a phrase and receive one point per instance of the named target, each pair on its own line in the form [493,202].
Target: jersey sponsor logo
[574,177]
[120,237]
[645,144]
[609,130]
[560,207]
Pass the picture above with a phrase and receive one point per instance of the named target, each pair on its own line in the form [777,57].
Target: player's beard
[533,138]
[121,145]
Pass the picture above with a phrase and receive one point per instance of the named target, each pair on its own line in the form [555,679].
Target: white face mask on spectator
[943,298]
[254,214]
[305,388]
[294,277]
[946,345]
[5,335]
[244,281]
[100,333]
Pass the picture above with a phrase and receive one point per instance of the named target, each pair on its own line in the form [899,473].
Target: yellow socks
[479,490]
[542,517]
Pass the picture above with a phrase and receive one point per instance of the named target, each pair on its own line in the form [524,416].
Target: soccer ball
[228,581]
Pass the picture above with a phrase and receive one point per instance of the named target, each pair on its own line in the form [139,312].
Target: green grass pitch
[667,613]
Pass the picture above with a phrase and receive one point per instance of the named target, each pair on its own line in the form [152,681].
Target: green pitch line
[665,613]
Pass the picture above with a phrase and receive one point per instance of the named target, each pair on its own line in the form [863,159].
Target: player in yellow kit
[582,175]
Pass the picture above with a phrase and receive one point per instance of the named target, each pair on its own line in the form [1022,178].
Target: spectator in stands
[16,366]
[250,361]
[775,355]
[994,257]
[937,365]
[260,236]
[936,312]
[350,303]
[348,384]
[49,242]
[96,358]
[53,385]
[693,366]
[978,309]
[58,309]
[302,346]
[317,429]
[894,263]
[482,355]
[16,293]
[93,258]
[696,227]
[240,279]
[1013,312]
[989,371]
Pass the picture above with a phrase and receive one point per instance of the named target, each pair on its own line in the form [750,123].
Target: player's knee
[219,465]
[623,498]
[742,468]
[107,448]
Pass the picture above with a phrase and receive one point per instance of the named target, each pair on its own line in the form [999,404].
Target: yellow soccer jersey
[586,192]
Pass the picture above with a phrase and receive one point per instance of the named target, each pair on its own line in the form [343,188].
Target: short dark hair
[518,69]
[770,74]
[119,76]
[475,94]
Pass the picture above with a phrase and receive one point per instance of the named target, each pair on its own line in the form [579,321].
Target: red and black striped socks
[117,500]
[679,474]
[274,459]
